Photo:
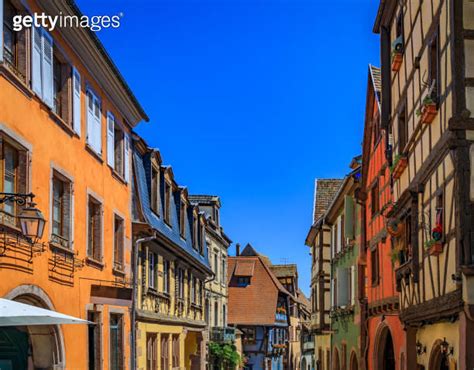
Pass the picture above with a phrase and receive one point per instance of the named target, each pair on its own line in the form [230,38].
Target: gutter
[135,298]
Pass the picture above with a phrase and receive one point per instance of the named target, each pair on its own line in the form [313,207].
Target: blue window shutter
[110,140]
[127,158]
[36,60]
[76,101]
[47,69]
[1,33]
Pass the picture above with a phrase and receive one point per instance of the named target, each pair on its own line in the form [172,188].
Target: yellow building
[171,255]
[66,115]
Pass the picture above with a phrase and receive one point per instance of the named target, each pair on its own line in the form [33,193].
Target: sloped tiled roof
[256,303]
[325,190]
[281,271]
[244,268]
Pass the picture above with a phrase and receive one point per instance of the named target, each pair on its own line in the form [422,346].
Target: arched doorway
[335,360]
[303,363]
[384,352]
[353,364]
[36,346]
[438,359]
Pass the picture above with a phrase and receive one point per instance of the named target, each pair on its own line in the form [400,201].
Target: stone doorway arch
[384,352]
[438,359]
[45,343]
[335,360]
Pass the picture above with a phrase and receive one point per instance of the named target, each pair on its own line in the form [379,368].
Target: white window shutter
[76,101]
[36,60]
[1,33]
[90,119]
[97,127]
[110,140]
[127,158]
[47,69]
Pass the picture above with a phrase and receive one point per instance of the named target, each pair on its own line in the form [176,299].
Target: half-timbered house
[427,50]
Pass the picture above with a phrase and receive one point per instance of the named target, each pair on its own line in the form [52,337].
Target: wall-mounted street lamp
[446,349]
[32,221]
[420,348]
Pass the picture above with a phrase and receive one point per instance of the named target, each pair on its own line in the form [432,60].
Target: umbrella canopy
[19,314]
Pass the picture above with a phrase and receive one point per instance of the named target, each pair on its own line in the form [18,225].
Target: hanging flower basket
[434,247]
[398,166]
[428,110]
[397,60]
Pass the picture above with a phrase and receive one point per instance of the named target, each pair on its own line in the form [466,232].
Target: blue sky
[250,100]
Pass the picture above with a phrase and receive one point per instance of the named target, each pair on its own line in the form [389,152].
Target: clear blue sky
[250,100]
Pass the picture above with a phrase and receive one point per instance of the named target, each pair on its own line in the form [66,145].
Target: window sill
[118,176]
[118,272]
[94,263]
[61,123]
[94,153]
[57,247]
[16,81]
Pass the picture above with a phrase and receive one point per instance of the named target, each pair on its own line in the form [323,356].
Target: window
[374,258]
[61,90]
[152,269]
[195,232]
[402,129]
[201,291]
[182,218]
[94,246]
[216,216]
[399,32]
[243,281]
[94,340]
[61,215]
[374,198]
[151,351]
[155,177]
[166,276]
[14,43]
[119,236]
[434,67]
[250,335]
[216,264]
[216,314]
[439,211]
[202,233]
[224,315]
[167,202]
[116,342]
[192,288]
[179,277]
[165,365]
[175,351]
[223,270]
[94,124]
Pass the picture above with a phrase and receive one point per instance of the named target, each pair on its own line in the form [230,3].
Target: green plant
[430,243]
[224,355]
[395,255]
[426,101]
[395,161]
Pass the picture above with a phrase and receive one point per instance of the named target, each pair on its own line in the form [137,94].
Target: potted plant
[399,164]
[428,110]
[434,247]
[397,59]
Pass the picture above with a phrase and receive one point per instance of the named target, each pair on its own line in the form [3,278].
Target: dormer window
[182,218]
[195,232]
[155,177]
[167,202]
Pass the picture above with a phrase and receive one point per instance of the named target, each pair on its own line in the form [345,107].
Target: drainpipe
[135,298]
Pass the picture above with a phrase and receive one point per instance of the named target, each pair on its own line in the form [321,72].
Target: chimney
[237,249]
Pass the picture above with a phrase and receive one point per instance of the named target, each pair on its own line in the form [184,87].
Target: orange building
[66,115]
[383,339]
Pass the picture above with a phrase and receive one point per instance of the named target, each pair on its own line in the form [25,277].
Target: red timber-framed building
[383,345]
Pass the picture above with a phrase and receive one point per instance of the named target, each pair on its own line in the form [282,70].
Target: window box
[398,166]
[434,247]
[428,110]
[397,60]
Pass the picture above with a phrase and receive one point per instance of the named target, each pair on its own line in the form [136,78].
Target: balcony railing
[222,334]
[308,346]
[280,317]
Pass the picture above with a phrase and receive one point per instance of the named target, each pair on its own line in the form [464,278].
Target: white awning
[19,314]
